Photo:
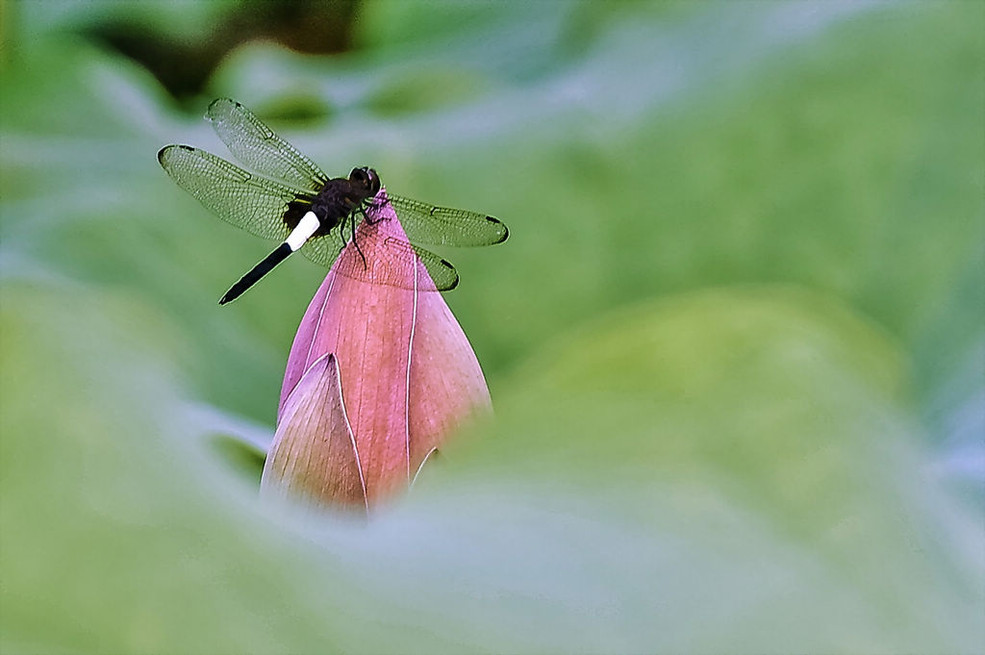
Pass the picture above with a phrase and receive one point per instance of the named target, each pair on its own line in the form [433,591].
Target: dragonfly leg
[352,229]
[371,202]
[362,210]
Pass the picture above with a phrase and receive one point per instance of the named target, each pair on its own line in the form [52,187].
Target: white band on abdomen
[307,226]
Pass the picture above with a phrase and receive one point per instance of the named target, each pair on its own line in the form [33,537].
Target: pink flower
[378,377]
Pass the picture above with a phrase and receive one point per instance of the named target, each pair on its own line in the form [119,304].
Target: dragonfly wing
[256,145]
[442,273]
[391,262]
[252,203]
[442,226]
[323,250]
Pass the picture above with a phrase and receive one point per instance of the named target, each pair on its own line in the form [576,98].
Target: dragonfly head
[365,178]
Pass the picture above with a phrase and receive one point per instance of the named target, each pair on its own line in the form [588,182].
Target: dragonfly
[287,198]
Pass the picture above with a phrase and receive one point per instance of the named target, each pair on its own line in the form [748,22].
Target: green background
[736,341]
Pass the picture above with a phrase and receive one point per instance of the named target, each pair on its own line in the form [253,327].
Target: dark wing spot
[454,284]
[162,153]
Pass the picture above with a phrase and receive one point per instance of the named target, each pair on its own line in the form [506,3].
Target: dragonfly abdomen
[307,226]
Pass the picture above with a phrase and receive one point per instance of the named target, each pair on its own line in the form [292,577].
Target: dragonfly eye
[367,177]
[373,180]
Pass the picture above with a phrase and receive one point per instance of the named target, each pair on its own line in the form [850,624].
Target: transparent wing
[256,145]
[391,262]
[249,202]
[323,250]
[442,273]
[441,226]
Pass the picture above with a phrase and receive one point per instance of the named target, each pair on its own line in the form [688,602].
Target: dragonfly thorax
[337,200]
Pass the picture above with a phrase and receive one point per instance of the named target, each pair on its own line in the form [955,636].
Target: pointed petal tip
[313,457]
[432,455]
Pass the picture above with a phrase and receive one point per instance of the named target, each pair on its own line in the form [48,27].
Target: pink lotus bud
[378,377]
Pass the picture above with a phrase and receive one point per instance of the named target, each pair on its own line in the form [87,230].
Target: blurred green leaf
[183,19]
[431,90]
